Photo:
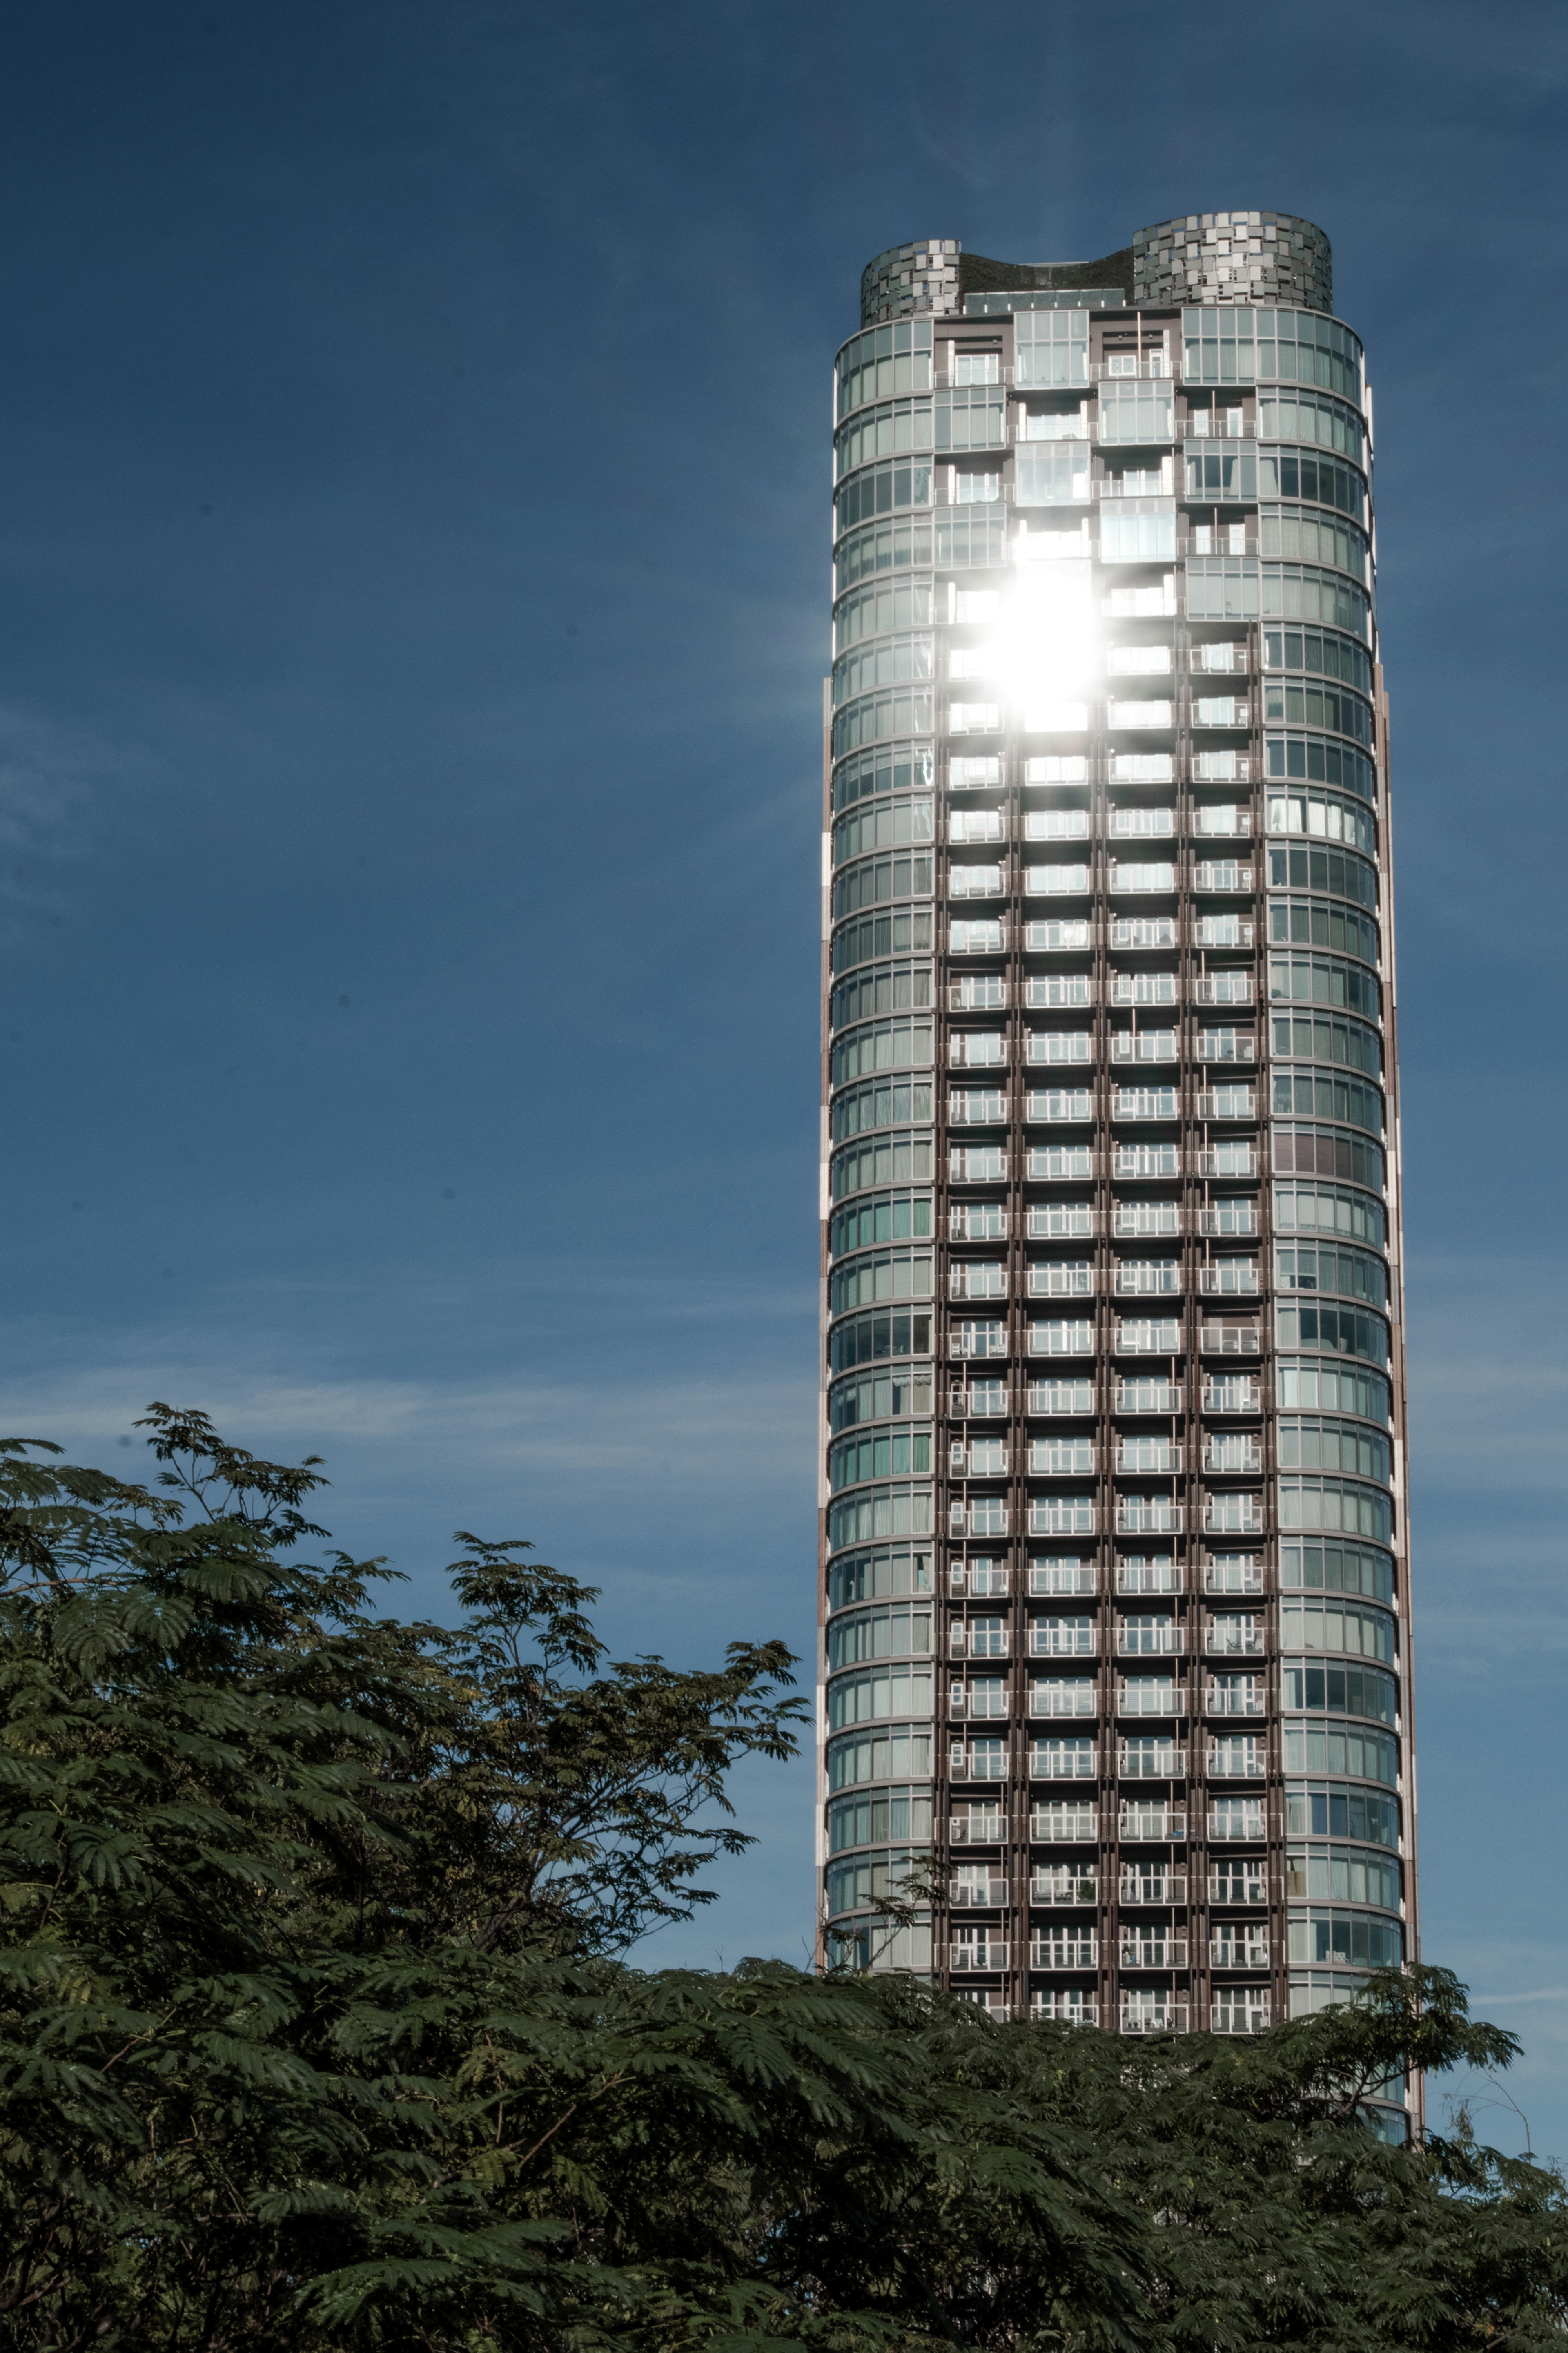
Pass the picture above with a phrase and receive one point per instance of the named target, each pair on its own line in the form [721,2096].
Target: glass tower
[1114,1579]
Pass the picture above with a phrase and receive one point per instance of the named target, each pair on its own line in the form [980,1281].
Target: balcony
[1057,1047]
[1206,710]
[1233,1457]
[1146,1160]
[1152,1882]
[1240,1760]
[978,1339]
[970,1894]
[1233,1515]
[981,1398]
[967,1050]
[1062,1515]
[1149,1455]
[1146,1102]
[1127,713]
[1126,366]
[978,1457]
[1239,1883]
[1222,931]
[988,938]
[991,1643]
[1064,1760]
[1221,874]
[1222,768]
[1046,1106]
[1152,1824]
[1230,1277]
[1240,2010]
[977,1107]
[1239,1218]
[1061,1281]
[1230,1340]
[980,992]
[1160,1641]
[1070,1642]
[1064,2009]
[1058,992]
[979,1952]
[976,825]
[1139,2015]
[988,1516]
[1157,1697]
[1226,1102]
[1065,1825]
[1061,1397]
[988,1707]
[1243,1573]
[1223,988]
[1060,1221]
[967,882]
[1148,930]
[1148,1515]
[1239,1948]
[1142,988]
[1052,1580]
[979,1826]
[985,1163]
[1150,1336]
[1062,1458]
[978,1580]
[1235,1638]
[1058,1164]
[1220,1699]
[1144,1046]
[1150,1760]
[1225,1046]
[1154,1279]
[1074,1952]
[977,1283]
[1222,660]
[1238,1159]
[1064,1886]
[1229,1822]
[1141,825]
[1151,1948]
[1063,1337]
[1148,1221]
[1073,1698]
[1148,1577]
[986,1761]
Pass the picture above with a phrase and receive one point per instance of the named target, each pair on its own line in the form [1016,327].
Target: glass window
[1054,475]
[1333,1625]
[888,430]
[1323,1038]
[1222,473]
[1137,412]
[972,419]
[880,547]
[899,1631]
[881,1511]
[878,1815]
[873,1576]
[1331,1566]
[1323,1809]
[1339,1691]
[893,358]
[1050,347]
[1314,536]
[1303,474]
[892,1750]
[872,1339]
[1293,415]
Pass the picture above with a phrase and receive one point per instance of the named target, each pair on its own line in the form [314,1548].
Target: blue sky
[412,594]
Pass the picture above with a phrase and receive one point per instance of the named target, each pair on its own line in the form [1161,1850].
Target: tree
[317,2032]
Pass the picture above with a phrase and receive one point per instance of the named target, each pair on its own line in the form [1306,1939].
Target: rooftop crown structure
[1114,1576]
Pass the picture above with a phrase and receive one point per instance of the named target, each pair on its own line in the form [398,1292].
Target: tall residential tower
[1114,1579]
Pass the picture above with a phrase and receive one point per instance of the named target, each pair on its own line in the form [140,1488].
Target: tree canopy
[317,2028]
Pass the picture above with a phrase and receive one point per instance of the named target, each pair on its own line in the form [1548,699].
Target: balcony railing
[1059,1164]
[1055,1282]
[1153,2017]
[982,1953]
[1061,1397]
[982,992]
[1241,1046]
[1152,1221]
[1064,2009]
[1141,1516]
[1077,1698]
[1220,1701]
[979,1826]
[1230,1340]
[990,1644]
[985,1163]
[1065,1825]
[1057,1760]
[1156,1457]
[1246,1641]
[1247,1948]
[1056,1221]
[1081,1952]
[1152,1046]
[1208,710]
[1163,1640]
[1233,1393]
[1224,659]
[1146,1160]
[1239,1218]
[1152,1884]
[1240,2010]
[984,1400]
[986,1516]
[1161,1701]
[1150,1336]
[987,1762]
[1223,988]
[1229,1279]
[982,1714]
[1222,930]
[1221,874]
[977,1283]
[1148,1282]
[1233,1457]
[966,1053]
[1064,1886]
[1243,1575]
[1163,1762]
[1152,1824]
[1148,1577]
[968,1894]
[1243,1761]
[1238,1159]
[1150,1949]
[1230,1824]
[1239,1883]
[1050,1580]
[1156,989]
[1233,1515]
[1226,1102]
[1051,1516]
[1054,1642]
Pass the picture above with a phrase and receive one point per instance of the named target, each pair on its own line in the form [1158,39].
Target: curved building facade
[1114,1566]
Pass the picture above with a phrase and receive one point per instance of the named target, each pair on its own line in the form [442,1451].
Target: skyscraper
[1114,1578]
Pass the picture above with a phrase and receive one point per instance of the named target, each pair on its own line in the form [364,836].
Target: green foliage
[316,2031]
